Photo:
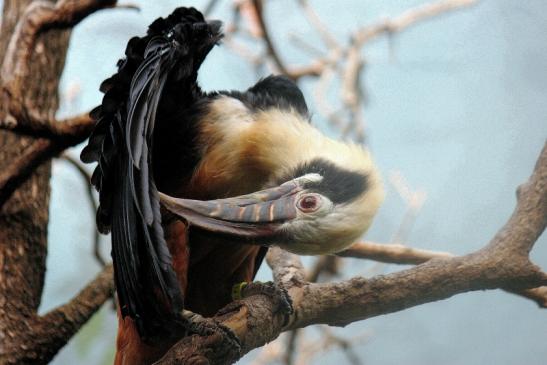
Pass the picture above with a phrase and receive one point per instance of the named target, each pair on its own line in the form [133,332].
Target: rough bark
[25,169]
[24,217]
[502,263]
[27,107]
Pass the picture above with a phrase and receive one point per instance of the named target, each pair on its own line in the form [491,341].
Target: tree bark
[24,217]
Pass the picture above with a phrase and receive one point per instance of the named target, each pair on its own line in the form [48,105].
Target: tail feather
[168,56]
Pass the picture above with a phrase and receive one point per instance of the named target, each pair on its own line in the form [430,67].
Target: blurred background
[453,107]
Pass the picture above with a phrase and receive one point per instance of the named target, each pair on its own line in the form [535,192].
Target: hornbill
[194,185]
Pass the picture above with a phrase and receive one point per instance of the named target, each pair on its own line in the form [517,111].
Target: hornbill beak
[256,215]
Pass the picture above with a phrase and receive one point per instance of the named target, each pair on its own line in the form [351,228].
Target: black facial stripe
[338,184]
[272,92]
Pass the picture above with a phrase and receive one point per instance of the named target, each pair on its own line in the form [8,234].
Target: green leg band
[237,289]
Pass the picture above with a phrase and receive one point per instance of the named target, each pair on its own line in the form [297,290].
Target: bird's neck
[245,151]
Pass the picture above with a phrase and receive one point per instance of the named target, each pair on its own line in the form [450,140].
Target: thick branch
[41,150]
[20,169]
[39,17]
[503,263]
[401,254]
[78,127]
[312,17]
[53,330]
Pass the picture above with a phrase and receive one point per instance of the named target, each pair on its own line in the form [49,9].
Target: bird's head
[319,205]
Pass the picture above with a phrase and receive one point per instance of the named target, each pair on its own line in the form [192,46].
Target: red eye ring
[309,203]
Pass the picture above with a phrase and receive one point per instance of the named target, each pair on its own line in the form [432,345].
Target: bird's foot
[199,325]
[280,295]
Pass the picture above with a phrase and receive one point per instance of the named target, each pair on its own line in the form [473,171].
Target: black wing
[165,60]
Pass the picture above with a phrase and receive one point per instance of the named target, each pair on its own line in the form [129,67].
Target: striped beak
[257,215]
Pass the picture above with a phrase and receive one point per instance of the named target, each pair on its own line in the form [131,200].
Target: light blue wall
[460,110]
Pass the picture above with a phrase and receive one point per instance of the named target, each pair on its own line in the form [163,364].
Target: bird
[195,185]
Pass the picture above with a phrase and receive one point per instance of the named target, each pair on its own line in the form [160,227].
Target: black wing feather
[274,91]
[122,143]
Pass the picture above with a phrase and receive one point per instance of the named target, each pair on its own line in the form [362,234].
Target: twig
[291,347]
[208,9]
[128,6]
[321,98]
[407,19]
[345,345]
[391,253]
[272,52]
[304,45]
[91,197]
[319,26]
[351,94]
[324,264]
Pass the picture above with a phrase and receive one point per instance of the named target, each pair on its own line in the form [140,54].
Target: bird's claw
[280,295]
[197,324]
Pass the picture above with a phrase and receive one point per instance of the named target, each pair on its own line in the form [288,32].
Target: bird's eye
[309,203]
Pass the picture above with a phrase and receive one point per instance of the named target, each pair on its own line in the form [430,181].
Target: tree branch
[538,295]
[407,19]
[37,18]
[391,253]
[52,331]
[401,254]
[77,127]
[257,4]
[94,206]
[75,131]
[72,315]
[20,169]
[503,263]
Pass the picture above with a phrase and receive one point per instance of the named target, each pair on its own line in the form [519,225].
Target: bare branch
[53,330]
[319,26]
[324,265]
[272,52]
[128,6]
[65,135]
[503,263]
[391,253]
[38,17]
[287,268]
[530,217]
[91,197]
[208,9]
[401,254]
[538,295]
[408,18]
[19,170]
[78,127]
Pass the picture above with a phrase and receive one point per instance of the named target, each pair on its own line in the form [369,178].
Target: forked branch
[503,263]
[53,330]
